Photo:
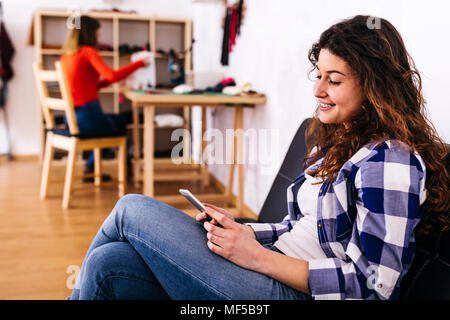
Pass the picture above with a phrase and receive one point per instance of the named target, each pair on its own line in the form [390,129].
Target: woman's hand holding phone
[226,237]
[211,209]
[232,240]
[203,216]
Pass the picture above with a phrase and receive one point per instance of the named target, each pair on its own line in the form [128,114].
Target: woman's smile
[326,106]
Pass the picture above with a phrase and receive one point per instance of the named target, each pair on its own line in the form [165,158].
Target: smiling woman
[339,93]
[374,169]
[377,91]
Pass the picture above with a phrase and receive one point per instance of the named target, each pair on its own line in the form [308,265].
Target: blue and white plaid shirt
[365,222]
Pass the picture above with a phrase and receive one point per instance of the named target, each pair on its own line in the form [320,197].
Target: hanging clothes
[239,18]
[6,73]
[6,55]
[231,29]
[226,38]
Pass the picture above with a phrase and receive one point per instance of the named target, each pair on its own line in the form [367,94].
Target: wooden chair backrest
[50,104]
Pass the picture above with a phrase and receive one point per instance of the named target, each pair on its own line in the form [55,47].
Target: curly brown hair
[394,107]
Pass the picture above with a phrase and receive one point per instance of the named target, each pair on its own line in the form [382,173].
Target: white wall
[22,105]
[272,54]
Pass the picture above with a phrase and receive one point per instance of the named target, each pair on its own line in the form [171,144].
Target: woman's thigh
[174,246]
[93,121]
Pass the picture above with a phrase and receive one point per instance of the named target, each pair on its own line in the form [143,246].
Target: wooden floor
[39,241]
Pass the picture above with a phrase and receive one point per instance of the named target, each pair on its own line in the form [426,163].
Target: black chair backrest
[429,274]
[274,208]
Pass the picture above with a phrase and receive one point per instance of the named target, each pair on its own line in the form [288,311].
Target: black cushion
[66,133]
[429,274]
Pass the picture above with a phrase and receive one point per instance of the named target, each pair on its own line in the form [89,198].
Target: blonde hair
[83,35]
[71,43]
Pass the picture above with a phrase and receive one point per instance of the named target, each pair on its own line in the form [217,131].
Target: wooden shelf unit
[49,32]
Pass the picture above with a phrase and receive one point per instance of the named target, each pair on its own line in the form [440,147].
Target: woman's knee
[136,204]
[132,199]
[133,210]
[133,203]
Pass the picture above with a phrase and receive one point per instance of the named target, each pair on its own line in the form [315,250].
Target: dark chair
[429,274]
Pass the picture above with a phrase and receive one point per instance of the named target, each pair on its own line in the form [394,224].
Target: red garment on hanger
[6,53]
[233,28]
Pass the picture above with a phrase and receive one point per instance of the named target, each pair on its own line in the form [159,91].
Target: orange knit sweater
[83,70]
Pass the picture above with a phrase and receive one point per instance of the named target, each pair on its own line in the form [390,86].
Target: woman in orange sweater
[83,67]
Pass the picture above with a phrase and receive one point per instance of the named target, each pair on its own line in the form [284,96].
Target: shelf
[111,15]
[157,56]
[107,90]
[163,56]
[118,28]
[104,15]
[57,52]
[178,176]
[141,126]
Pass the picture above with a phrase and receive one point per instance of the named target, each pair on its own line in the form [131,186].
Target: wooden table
[167,99]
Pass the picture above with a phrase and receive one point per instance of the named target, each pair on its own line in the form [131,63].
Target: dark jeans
[92,122]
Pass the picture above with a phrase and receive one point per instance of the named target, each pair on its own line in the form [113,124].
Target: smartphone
[192,199]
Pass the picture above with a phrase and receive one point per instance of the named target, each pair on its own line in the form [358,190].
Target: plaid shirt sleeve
[390,187]
[268,233]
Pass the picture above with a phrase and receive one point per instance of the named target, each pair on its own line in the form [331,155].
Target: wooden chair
[71,140]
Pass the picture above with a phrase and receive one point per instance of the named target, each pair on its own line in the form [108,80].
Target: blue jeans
[147,249]
[92,122]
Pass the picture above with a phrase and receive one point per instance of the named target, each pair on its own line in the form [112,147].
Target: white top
[302,241]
